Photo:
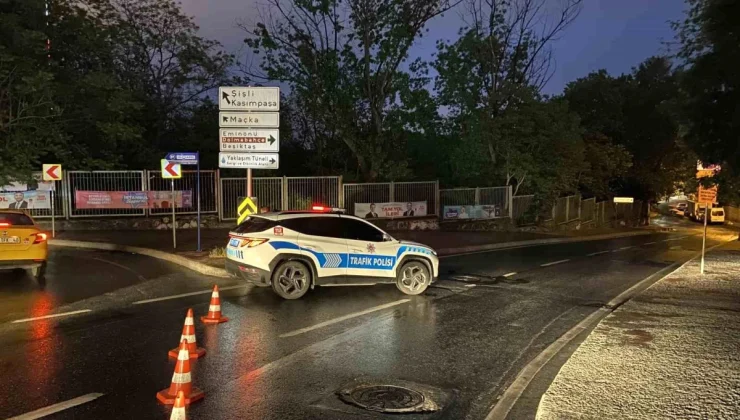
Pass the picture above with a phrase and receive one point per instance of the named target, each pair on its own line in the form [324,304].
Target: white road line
[202,292]
[649,243]
[343,318]
[55,408]
[553,263]
[624,248]
[513,273]
[470,285]
[596,253]
[81,311]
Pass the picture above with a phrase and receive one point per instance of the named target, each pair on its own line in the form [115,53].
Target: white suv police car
[294,251]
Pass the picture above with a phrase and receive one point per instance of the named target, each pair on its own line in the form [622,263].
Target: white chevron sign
[332,261]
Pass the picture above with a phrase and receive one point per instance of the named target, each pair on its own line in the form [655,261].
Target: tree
[710,55]
[342,60]
[636,112]
[491,76]
[27,108]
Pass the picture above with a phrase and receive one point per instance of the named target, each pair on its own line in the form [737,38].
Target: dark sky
[612,34]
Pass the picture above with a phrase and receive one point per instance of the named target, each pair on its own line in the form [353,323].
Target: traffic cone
[214,309]
[188,334]
[178,410]
[181,380]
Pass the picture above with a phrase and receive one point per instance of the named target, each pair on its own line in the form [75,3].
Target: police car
[294,251]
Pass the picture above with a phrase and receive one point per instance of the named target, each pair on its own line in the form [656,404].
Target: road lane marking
[512,394]
[55,408]
[513,273]
[202,292]
[344,318]
[624,248]
[81,311]
[649,243]
[597,253]
[553,263]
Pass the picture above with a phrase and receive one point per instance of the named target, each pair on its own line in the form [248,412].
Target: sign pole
[174,224]
[53,227]
[707,210]
[198,187]
[249,182]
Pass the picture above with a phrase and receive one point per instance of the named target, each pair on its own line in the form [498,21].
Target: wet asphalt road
[462,342]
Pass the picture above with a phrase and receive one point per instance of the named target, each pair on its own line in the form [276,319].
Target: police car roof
[282,215]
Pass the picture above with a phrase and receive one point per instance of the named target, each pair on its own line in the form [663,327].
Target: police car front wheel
[291,280]
[413,278]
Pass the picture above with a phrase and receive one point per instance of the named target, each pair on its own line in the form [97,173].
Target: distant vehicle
[716,215]
[22,243]
[294,251]
[680,209]
[693,210]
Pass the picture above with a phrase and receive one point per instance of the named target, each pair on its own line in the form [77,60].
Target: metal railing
[588,210]
[103,181]
[523,213]
[300,193]
[188,182]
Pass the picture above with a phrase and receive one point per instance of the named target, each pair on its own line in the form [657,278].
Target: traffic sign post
[52,172]
[190,158]
[249,121]
[707,196]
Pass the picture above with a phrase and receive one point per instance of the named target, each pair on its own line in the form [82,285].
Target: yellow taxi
[23,245]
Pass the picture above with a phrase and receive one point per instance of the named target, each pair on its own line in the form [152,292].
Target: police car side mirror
[387,238]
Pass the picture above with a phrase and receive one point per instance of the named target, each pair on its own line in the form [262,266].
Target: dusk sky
[612,34]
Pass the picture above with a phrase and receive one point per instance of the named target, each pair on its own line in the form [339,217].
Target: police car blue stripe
[360,261]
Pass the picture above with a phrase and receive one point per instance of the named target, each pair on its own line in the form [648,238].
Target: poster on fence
[472,212]
[25,200]
[132,199]
[380,210]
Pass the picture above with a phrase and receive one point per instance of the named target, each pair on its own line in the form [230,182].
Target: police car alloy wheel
[413,278]
[291,280]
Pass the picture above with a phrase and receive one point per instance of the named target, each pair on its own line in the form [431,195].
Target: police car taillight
[252,242]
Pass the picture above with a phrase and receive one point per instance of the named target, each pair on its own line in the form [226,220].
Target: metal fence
[188,182]
[269,193]
[300,193]
[522,210]
[103,181]
[392,192]
[588,210]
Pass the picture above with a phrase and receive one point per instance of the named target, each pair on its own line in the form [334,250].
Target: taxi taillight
[40,237]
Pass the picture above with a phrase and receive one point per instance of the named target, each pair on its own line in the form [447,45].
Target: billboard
[132,199]
[389,210]
[25,200]
[473,212]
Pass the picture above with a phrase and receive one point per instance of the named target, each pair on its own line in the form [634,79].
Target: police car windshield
[254,224]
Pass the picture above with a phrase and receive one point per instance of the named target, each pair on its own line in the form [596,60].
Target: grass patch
[218,252]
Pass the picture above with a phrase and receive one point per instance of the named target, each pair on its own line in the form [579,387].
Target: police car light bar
[327,209]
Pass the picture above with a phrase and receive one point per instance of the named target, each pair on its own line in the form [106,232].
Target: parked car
[22,243]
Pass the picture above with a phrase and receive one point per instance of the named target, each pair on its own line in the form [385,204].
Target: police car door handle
[309,247]
[359,251]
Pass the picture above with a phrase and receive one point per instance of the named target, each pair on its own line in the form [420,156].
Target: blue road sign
[183,158]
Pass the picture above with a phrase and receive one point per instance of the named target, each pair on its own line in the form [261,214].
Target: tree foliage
[710,54]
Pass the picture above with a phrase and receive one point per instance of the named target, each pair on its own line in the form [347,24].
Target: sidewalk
[673,352]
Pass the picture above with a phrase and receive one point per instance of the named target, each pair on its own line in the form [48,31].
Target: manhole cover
[385,398]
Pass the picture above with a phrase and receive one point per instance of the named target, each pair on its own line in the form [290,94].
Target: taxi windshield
[15,219]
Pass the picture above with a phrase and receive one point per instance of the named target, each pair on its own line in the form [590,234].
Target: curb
[450,252]
[166,256]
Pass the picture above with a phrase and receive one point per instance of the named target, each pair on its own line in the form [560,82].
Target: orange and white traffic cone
[181,380]
[178,410]
[214,309]
[188,334]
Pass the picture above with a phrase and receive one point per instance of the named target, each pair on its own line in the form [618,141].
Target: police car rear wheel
[413,278]
[291,280]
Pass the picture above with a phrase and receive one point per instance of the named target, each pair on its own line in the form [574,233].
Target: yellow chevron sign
[247,206]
